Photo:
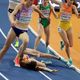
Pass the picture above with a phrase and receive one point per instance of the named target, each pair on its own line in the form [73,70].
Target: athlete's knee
[71,44]
[39,36]
[67,44]
[26,40]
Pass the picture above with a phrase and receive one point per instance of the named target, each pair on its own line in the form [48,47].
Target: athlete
[20,19]
[32,64]
[65,29]
[11,7]
[26,60]
[46,9]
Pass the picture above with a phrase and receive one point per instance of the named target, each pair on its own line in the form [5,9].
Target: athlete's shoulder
[19,6]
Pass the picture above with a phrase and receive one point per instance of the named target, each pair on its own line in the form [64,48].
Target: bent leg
[40,31]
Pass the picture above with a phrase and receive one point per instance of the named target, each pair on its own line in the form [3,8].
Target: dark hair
[66,1]
[74,3]
[30,65]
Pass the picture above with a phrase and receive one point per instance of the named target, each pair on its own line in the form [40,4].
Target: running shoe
[61,45]
[69,63]
[63,60]
[48,51]
[16,44]
[16,62]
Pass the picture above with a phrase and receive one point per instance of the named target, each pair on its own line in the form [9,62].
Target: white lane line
[17,52]
[4,76]
[1,73]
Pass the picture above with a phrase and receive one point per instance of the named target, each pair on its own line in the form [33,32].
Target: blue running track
[9,72]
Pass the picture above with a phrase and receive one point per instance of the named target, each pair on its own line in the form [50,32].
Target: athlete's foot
[16,44]
[61,45]
[70,60]
[16,62]
[63,60]
[48,51]
[69,63]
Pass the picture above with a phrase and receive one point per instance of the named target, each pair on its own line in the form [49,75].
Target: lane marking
[4,76]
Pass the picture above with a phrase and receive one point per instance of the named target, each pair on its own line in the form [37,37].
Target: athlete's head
[46,0]
[25,57]
[29,2]
[71,2]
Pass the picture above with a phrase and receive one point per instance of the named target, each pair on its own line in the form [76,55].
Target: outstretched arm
[47,69]
[38,11]
[12,16]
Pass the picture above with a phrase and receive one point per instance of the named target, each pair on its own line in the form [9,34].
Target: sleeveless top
[45,9]
[65,12]
[25,14]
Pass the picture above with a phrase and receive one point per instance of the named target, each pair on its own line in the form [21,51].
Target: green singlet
[46,11]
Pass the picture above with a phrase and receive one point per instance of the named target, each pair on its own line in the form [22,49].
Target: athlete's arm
[54,13]
[56,2]
[46,69]
[75,10]
[38,11]
[38,6]
[12,16]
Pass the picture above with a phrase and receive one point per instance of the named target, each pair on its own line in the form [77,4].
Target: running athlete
[20,19]
[46,9]
[11,7]
[33,64]
[65,29]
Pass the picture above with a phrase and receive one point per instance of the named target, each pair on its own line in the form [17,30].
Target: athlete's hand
[48,18]
[57,17]
[13,23]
